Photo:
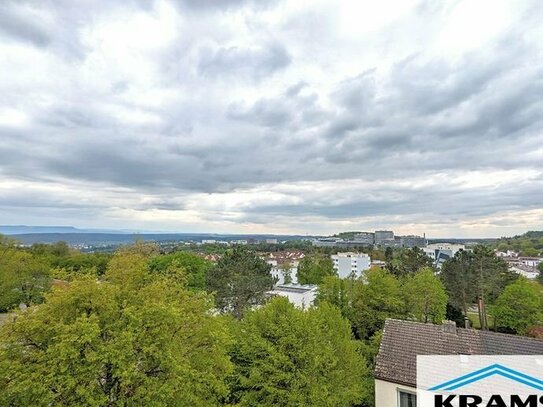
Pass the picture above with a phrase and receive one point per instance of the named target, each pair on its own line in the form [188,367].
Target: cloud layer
[253,116]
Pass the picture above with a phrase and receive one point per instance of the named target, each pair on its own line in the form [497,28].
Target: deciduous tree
[519,306]
[109,344]
[314,267]
[425,296]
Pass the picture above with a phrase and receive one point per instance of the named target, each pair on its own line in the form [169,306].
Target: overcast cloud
[273,116]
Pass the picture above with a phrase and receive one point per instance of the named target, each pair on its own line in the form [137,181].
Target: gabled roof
[403,340]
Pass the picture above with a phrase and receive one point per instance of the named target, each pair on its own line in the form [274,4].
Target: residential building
[441,252]
[302,296]
[350,264]
[402,341]
[530,261]
[271,241]
[508,253]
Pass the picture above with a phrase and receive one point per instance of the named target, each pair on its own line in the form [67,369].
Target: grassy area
[474,320]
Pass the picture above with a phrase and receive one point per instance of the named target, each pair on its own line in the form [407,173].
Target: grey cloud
[221,127]
[15,25]
[206,5]
[235,62]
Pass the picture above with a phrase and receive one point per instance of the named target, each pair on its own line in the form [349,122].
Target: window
[407,399]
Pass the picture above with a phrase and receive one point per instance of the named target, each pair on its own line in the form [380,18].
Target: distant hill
[99,239]
[20,229]
[528,244]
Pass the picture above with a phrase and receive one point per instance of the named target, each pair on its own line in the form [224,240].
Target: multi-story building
[441,252]
[413,241]
[382,237]
[364,238]
[350,264]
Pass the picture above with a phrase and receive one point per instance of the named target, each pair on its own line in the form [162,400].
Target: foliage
[286,270]
[240,280]
[314,267]
[458,276]
[528,244]
[408,262]
[519,306]
[338,292]
[479,274]
[455,314]
[374,302]
[540,275]
[288,357]
[23,278]
[425,296]
[195,267]
[110,343]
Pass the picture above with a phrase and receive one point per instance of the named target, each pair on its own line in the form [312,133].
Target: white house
[351,264]
[402,341]
[302,296]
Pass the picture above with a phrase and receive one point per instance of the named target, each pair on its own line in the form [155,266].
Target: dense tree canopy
[408,261]
[528,244]
[314,268]
[23,278]
[520,306]
[288,357]
[240,280]
[425,296]
[196,267]
[476,275]
[123,341]
[380,298]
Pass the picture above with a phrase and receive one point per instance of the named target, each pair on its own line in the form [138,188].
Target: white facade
[351,264]
[278,271]
[440,252]
[302,296]
[387,394]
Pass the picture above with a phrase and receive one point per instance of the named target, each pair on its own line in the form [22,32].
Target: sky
[273,116]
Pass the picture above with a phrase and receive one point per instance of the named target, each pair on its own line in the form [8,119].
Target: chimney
[466,323]
[449,327]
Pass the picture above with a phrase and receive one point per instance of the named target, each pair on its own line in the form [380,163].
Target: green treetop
[288,357]
[313,268]
[519,307]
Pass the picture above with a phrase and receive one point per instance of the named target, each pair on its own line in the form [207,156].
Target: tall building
[350,264]
[383,237]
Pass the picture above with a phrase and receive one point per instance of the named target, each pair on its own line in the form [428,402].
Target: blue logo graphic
[490,371]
